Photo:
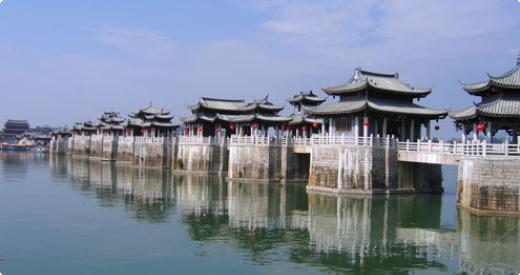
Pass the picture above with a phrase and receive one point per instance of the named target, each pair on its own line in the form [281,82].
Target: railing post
[441,144]
[430,145]
[418,145]
[407,145]
[484,148]
[455,148]
[506,145]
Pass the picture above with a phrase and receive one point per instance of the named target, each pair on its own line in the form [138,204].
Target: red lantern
[142,132]
[481,127]
[304,128]
[232,126]
[437,127]
[186,131]
[255,125]
[315,125]
[365,123]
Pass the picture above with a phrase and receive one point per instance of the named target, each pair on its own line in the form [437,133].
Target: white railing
[257,140]
[345,140]
[81,138]
[150,139]
[470,148]
[316,140]
[126,139]
[201,140]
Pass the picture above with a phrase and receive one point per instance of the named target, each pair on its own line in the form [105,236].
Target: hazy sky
[66,60]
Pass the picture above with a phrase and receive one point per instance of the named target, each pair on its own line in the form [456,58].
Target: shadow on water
[274,222]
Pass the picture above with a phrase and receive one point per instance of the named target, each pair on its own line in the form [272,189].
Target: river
[72,216]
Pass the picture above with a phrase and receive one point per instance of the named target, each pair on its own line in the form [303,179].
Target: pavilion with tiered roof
[303,124]
[377,104]
[85,128]
[111,123]
[226,117]
[498,109]
[151,121]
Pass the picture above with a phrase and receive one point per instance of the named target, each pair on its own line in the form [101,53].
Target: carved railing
[470,148]
[316,140]
[201,140]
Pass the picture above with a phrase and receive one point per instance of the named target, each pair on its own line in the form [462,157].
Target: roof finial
[518,59]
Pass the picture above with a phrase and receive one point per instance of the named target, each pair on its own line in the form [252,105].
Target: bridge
[420,151]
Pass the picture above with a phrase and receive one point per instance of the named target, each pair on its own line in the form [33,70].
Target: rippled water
[63,216]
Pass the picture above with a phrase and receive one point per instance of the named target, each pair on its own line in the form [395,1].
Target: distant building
[14,129]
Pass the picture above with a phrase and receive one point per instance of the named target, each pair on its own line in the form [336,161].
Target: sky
[63,61]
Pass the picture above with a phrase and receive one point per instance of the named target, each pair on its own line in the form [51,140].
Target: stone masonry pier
[488,180]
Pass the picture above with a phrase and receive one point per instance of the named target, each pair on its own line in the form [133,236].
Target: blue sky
[67,60]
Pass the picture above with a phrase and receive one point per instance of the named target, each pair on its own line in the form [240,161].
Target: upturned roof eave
[417,92]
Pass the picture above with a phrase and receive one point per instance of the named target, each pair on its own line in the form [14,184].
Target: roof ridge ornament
[518,59]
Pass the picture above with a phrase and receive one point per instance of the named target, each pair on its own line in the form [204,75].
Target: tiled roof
[236,118]
[308,96]
[300,118]
[230,105]
[357,104]
[502,105]
[388,82]
[508,80]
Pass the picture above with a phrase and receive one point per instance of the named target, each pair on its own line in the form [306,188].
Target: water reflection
[14,164]
[272,222]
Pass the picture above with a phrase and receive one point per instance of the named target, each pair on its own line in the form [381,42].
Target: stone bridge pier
[369,169]
[489,186]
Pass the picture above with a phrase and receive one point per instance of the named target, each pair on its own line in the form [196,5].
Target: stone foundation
[59,146]
[80,146]
[125,150]
[209,159]
[490,186]
[153,153]
[265,162]
[249,161]
[369,170]
[96,147]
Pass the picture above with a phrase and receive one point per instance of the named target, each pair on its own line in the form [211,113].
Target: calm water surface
[63,216]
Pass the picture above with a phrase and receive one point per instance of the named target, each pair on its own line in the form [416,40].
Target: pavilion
[151,121]
[498,109]
[226,117]
[111,123]
[85,128]
[303,124]
[377,104]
